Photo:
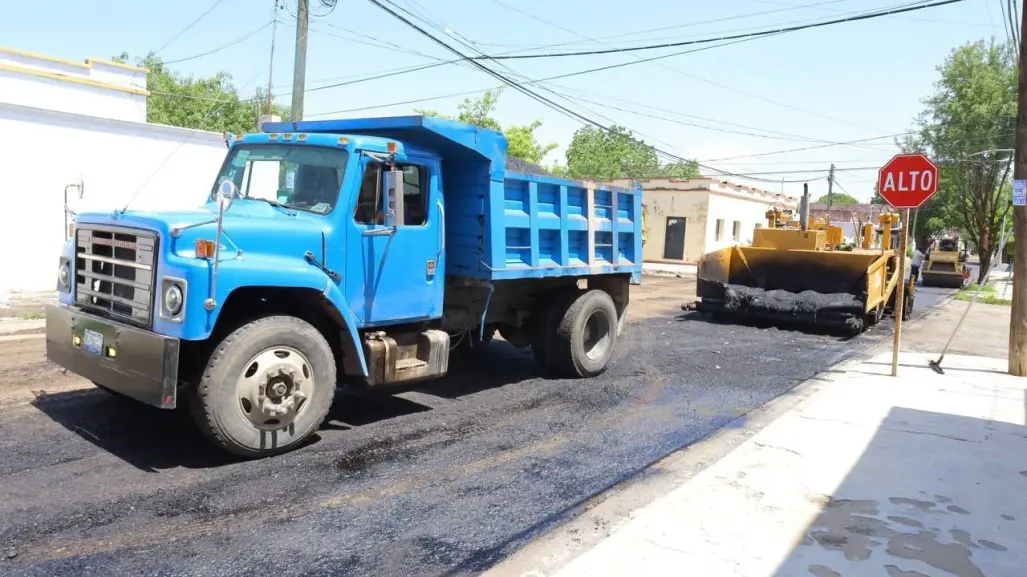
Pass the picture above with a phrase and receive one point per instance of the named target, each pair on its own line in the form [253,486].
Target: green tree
[522,143]
[598,154]
[839,198]
[212,103]
[965,125]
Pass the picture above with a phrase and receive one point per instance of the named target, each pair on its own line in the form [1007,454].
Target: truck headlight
[172,299]
[64,275]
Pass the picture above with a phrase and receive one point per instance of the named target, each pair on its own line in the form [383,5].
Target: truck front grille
[114,272]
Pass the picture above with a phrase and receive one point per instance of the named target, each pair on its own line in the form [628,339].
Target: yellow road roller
[800,274]
[943,268]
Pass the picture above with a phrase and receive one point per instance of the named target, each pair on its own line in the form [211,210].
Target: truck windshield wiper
[275,204]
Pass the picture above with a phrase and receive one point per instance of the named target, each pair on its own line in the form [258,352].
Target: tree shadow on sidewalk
[932,494]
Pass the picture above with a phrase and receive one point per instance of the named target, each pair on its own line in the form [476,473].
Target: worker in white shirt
[918,259]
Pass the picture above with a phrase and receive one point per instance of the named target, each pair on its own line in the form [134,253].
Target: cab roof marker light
[273,136]
[287,136]
[343,141]
[301,137]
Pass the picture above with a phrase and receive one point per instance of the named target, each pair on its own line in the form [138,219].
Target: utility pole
[299,69]
[1018,317]
[830,189]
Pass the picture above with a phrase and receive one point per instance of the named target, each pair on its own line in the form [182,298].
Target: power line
[533,95]
[190,25]
[949,22]
[685,25]
[222,47]
[557,77]
[783,30]
[582,72]
[693,76]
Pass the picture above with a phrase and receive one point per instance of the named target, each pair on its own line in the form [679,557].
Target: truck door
[395,273]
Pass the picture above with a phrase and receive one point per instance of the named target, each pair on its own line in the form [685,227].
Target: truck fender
[335,296]
[282,272]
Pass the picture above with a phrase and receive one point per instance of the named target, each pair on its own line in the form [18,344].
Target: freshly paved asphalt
[446,480]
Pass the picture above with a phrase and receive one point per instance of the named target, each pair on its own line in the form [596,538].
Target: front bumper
[136,363]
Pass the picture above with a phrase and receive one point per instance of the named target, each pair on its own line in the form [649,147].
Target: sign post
[905,182]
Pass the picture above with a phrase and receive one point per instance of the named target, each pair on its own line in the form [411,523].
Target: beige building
[686,218]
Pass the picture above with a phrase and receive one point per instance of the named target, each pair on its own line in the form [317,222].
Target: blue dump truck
[356,253]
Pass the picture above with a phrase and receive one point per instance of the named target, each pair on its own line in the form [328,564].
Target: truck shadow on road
[153,440]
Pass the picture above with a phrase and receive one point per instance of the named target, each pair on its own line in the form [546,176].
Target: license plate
[92,342]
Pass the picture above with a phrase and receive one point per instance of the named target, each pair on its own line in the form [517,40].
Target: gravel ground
[444,480]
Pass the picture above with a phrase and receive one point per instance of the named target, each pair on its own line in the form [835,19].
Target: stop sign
[907,180]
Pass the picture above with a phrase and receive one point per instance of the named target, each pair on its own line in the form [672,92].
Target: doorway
[674,240]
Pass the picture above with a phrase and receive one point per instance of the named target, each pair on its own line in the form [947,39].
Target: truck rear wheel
[544,327]
[586,336]
[266,388]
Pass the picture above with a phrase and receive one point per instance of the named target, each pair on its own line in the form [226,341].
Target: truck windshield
[296,176]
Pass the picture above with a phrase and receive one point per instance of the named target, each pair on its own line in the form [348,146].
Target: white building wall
[748,212]
[43,151]
[64,122]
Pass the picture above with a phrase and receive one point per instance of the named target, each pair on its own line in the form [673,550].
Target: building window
[759,225]
[736,231]
[720,230]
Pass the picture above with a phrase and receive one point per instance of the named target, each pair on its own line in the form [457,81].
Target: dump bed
[502,224]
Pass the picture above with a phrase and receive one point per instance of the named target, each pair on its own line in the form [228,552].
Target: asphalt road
[446,480]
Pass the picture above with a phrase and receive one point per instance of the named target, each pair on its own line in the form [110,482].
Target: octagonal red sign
[907,180]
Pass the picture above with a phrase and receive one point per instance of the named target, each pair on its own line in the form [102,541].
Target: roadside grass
[31,316]
[987,296]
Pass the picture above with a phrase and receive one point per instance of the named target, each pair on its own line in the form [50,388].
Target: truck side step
[406,357]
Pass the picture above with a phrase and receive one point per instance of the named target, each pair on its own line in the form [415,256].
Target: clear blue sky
[868,76]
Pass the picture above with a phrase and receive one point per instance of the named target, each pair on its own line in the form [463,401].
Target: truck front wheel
[586,336]
[267,387]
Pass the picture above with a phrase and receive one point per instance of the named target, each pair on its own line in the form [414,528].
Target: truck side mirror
[226,194]
[393,197]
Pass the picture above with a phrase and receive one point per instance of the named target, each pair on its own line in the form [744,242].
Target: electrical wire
[689,24]
[206,115]
[557,77]
[535,96]
[666,66]
[783,30]
[190,25]
[222,47]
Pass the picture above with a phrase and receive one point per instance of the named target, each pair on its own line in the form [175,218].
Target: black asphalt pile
[742,298]
[518,165]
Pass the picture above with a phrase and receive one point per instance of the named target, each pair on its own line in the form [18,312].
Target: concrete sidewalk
[669,269]
[871,475]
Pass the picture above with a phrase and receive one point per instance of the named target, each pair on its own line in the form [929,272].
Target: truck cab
[324,255]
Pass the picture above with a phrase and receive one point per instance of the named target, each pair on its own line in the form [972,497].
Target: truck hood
[248,225]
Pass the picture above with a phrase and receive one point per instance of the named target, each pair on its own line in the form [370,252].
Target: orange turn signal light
[392,147]
[204,248]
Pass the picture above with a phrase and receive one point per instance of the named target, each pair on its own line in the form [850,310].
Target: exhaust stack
[804,208]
